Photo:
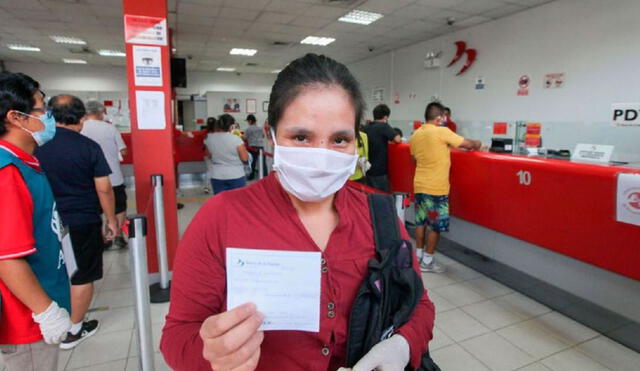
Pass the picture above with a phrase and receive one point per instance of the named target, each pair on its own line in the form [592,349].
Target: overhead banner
[628,200]
[625,114]
[145,30]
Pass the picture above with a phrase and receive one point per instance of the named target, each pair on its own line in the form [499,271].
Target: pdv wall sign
[461,50]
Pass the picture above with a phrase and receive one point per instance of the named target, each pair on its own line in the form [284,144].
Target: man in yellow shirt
[363,158]
[430,146]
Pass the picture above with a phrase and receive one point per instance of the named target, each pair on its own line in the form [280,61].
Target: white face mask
[312,174]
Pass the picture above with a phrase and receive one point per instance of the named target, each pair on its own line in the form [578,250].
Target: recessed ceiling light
[275,71]
[225,69]
[24,48]
[316,40]
[111,53]
[68,40]
[360,17]
[74,61]
[239,51]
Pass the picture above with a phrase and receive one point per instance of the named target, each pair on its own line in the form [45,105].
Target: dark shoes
[88,329]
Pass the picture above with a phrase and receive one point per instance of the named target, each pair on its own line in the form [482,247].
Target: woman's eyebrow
[298,131]
[344,133]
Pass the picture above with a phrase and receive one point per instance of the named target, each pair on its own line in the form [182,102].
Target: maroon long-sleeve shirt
[262,216]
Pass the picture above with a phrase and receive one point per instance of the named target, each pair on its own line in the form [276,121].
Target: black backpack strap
[384,220]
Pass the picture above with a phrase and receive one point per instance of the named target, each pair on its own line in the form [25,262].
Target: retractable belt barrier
[137,225]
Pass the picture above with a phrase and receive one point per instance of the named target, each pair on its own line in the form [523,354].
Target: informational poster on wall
[377,95]
[625,114]
[150,110]
[628,199]
[145,30]
[147,65]
[231,105]
[523,85]
[251,106]
[553,80]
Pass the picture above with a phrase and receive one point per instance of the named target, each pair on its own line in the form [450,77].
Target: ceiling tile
[416,11]
[197,9]
[504,11]
[445,4]
[384,6]
[325,12]
[273,17]
[288,6]
[194,20]
[246,4]
[242,14]
[478,6]
[317,22]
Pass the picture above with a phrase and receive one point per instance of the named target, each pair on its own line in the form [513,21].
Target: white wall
[593,41]
[93,82]
[216,100]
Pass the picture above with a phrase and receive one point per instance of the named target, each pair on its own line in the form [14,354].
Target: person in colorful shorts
[430,146]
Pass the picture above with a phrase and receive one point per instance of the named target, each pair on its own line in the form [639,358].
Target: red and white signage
[628,200]
[145,30]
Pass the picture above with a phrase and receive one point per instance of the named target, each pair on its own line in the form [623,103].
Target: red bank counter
[189,146]
[563,206]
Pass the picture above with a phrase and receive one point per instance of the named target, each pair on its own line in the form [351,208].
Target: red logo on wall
[633,201]
[461,51]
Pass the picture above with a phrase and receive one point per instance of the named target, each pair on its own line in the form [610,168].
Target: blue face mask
[43,136]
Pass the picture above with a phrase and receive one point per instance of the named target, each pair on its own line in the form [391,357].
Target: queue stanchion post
[261,163]
[160,292]
[399,198]
[140,279]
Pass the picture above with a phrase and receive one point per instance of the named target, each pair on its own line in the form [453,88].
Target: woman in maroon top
[315,111]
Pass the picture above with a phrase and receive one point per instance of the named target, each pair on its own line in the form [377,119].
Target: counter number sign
[524,177]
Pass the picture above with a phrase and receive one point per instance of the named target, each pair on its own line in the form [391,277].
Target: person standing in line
[211,125]
[448,121]
[363,164]
[228,155]
[34,287]
[114,149]
[430,147]
[379,134]
[255,139]
[79,177]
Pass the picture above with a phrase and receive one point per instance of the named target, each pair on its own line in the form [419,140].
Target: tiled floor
[480,325]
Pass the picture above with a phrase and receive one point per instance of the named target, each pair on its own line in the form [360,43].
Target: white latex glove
[54,323]
[388,355]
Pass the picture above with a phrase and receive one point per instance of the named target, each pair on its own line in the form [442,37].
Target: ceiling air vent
[251,64]
[343,3]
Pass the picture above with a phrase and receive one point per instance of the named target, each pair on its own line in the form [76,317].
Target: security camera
[451,21]
[189,57]
[238,73]
[371,48]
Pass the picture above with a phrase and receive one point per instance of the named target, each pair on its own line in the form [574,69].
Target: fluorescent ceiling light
[111,53]
[225,69]
[74,61]
[360,17]
[24,48]
[275,71]
[68,40]
[316,40]
[247,52]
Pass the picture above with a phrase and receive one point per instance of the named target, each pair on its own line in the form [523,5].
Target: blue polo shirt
[71,161]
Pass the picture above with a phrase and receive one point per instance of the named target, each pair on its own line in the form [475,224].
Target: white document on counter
[284,285]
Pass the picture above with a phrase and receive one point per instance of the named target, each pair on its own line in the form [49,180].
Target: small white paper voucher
[284,285]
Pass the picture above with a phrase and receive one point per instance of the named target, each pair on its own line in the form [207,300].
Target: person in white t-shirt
[228,155]
[114,149]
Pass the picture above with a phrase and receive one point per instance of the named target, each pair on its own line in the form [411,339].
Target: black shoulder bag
[391,291]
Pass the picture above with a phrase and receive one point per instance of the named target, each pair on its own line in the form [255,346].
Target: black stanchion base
[158,294]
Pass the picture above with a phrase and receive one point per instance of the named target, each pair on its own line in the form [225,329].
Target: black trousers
[255,152]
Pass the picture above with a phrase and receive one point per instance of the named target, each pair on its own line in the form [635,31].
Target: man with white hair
[114,149]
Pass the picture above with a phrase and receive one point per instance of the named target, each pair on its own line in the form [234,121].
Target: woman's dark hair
[433,110]
[211,124]
[310,70]
[225,121]
[16,93]
[67,109]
